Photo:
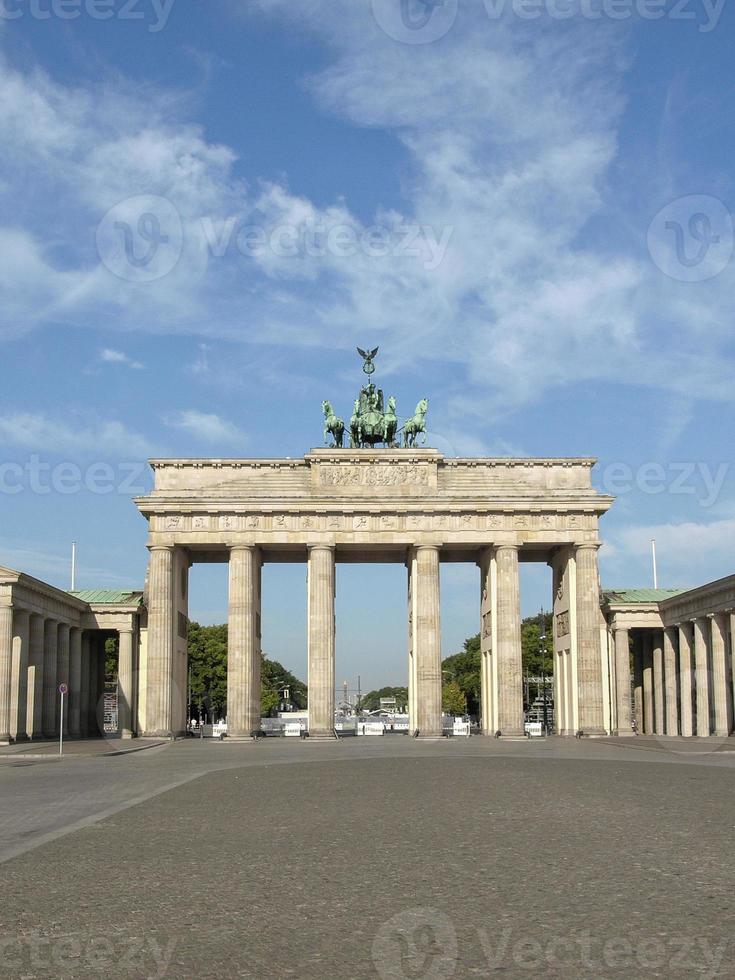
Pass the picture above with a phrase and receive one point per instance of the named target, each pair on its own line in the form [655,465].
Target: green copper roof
[640,595]
[109,597]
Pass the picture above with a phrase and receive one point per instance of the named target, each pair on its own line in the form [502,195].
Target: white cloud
[688,554]
[38,432]
[205,426]
[111,356]
[510,136]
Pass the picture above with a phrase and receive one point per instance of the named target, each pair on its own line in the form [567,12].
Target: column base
[595,732]
[511,733]
[239,737]
[5,739]
[323,736]
[430,737]
[127,733]
[624,732]
[153,734]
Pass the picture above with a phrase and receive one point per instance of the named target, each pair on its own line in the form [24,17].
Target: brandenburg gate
[408,505]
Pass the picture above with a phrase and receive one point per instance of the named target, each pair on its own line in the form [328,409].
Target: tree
[371,701]
[454,701]
[464,670]
[207,646]
[537,645]
[537,657]
[274,678]
[111,659]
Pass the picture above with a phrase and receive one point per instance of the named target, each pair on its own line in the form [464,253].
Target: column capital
[160,547]
[587,546]
[320,547]
[242,547]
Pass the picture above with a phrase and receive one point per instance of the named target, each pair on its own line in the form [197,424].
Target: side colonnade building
[49,637]
[680,646]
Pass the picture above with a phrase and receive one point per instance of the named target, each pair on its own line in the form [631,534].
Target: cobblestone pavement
[371,858]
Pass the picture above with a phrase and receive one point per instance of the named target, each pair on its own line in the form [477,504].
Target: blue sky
[528,206]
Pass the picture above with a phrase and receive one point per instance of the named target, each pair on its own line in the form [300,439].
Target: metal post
[62,692]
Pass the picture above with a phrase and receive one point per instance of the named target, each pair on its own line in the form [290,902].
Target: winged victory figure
[368,356]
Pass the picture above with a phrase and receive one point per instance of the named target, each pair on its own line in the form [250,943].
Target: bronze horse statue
[333,425]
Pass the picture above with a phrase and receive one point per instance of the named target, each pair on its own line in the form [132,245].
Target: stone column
[62,673]
[34,704]
[589,654]
[686,684]
[97,684]
[508,635]
[648,703]
[50,663]
[243,644]
[159,703]
[320,586]
[75,682]
[125,682]
[659,724]
[19,683]
[85,723]
[411,608]
[670,685]
[427,643]
[488,694]
[701,674]
[92,685]
[731,664]
[622,682]
[638,682]
[720,678]
[6,670]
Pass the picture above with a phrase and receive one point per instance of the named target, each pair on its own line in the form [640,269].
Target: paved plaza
[370,858]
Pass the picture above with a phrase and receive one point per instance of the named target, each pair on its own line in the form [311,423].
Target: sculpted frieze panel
[562,623]
[373,475]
